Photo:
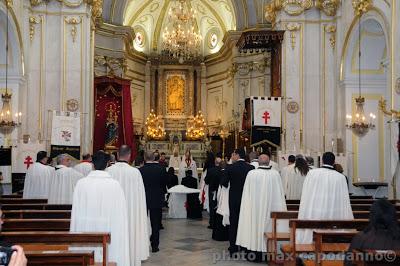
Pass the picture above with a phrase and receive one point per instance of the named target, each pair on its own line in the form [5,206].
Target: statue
[111,137]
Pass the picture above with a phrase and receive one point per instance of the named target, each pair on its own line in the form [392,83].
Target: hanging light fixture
[357,122]
[7,122]
[180,39]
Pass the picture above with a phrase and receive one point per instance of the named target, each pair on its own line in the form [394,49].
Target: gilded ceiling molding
[220,21]
[138,12]
[97,5]
[362,6]
[293,27]
[159,25]
[298,7]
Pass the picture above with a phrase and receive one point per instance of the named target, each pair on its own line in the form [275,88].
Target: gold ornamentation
[332,30]
[111,64]
[32,21]
[329,7]
[9,3]
[362,6]
[196,127]
[154,127]
[72,105]
[293,27]
[292,107]
[393,113]
[291,7]
[97,8]
[176,94]
[73,22]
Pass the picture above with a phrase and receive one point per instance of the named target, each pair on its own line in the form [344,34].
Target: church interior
[285,77]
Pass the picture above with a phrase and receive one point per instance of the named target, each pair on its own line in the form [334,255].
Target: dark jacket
[235,174]
[213,178]
[155,184]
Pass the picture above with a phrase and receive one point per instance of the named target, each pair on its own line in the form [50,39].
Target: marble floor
[188,242]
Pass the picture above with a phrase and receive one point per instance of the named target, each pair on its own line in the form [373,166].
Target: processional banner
[66,134]
[266,120]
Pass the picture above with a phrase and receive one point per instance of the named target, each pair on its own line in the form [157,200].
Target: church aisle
[188,242]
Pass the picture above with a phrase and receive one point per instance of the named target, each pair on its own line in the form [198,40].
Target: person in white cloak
[174,160]
[99,205]
[291,161]
[295,177]
[262,194]
[187,164]
[37,179]
[63,183]
[325,196]
[85,166]
[131,181]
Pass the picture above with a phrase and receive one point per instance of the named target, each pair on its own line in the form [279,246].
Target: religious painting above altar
[175,94]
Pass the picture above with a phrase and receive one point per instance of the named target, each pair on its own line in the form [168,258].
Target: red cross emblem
[28,161]
[266,116]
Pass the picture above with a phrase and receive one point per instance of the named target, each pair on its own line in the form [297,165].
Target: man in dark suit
[154,179]
[235,175]
[213,179]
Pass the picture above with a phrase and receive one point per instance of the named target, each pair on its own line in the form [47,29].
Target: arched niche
[367,155]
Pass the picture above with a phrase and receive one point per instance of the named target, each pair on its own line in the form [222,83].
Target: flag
[24,155]
[267,111]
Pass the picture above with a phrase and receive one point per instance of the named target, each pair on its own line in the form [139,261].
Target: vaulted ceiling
[213,16]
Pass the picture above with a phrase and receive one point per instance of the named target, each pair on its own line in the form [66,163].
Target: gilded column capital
[362,6]
[329,7]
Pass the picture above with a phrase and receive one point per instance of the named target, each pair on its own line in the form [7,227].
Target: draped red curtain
[113,92]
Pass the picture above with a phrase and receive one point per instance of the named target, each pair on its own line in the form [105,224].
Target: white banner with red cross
[267,111]
[24,155]
[66,128]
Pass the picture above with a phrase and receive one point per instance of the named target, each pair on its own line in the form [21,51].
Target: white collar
[265,167]
[98,174]
[327,166]
[59,166]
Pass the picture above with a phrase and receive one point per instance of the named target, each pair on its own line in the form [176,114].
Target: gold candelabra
[197,128]
[154,127]
[224,134]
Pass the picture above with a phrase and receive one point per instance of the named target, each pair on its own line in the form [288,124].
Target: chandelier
[154,128]
[357,122]
[198,127]
[7,123]
[180,39]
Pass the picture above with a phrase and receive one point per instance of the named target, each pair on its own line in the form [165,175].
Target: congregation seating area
[329,236]
[43,231]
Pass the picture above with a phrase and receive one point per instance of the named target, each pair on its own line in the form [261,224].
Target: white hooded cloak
[132,183]
[262,194]
[325,196]
[62,185]
[37,181]
[99,205]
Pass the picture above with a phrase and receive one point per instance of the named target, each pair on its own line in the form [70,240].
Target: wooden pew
[38,206]
[355,207]
[35,225]
[12,196]
[352,201]
[292,248]
[273,237]
[64,257]
[37,214]
[48,239]
[22,201]
[326,240]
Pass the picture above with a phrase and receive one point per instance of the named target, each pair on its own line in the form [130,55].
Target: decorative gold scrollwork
[362,6]
[32,22]
[73,21]
[332,30]
[293,27]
